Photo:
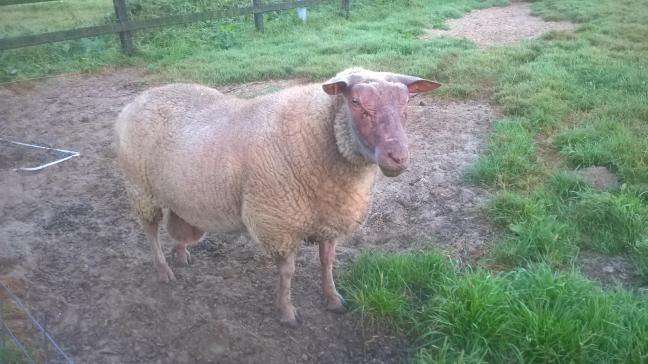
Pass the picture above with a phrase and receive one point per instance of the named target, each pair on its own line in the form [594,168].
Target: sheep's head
[377,103]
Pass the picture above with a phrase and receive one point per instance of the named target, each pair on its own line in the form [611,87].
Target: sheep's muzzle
[392,157]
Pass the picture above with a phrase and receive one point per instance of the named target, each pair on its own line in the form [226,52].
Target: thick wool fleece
[284,166]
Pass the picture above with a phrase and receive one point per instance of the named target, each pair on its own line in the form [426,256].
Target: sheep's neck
[345,138]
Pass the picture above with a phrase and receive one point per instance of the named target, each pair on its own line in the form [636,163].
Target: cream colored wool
[283,166]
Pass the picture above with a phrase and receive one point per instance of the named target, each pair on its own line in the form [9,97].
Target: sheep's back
[178,144]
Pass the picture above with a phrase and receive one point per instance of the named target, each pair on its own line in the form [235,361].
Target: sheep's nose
[396,158]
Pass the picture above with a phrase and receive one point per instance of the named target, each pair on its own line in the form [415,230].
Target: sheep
[297,165]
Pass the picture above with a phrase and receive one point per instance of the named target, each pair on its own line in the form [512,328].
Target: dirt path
[499,25]
[78,255]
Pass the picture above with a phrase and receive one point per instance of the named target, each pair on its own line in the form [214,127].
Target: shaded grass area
[9,353]
[531,314]
[511,154]
[586,95]
[47,16]
[553,221]
[379,34]
[12,317]
[21,19]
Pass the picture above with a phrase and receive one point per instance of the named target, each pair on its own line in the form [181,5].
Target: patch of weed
[611,222]
[509,157]
[532,314]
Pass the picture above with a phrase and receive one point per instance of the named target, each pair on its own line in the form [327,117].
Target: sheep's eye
[354,101]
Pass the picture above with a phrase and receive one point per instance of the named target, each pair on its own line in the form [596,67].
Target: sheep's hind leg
[150,216]
[334,301]
[286,266]
[185,234]
[151,226]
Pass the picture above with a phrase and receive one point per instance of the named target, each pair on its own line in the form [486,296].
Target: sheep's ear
[416,84]
[422,85]
[335,86]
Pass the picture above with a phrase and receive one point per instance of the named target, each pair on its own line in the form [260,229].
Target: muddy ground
[500,25]
[72,250]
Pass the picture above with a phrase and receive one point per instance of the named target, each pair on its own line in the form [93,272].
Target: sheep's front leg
[334,302]
[286,266]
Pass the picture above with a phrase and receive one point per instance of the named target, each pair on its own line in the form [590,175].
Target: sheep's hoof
[165,274]
[292,321]
[337,305]
[182,257]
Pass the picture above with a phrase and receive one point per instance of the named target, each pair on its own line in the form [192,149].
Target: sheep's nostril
[395,158]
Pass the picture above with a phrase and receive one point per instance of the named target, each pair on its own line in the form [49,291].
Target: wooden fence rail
[124,26]
[18,2]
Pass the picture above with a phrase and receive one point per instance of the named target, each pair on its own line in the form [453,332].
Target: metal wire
[71,153]
[68,360]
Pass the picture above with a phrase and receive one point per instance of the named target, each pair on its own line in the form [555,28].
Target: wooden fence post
[125,37]
[258,17]
[345,8]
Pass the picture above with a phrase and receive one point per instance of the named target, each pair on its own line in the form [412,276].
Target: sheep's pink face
[379,113]
[377,102]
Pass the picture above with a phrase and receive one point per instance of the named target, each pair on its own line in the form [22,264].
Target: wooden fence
[125,27]
[16,2]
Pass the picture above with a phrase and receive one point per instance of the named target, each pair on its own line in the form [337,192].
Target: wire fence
[126,26]
[23,339]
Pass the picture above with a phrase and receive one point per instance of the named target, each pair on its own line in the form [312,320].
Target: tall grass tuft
[532,314]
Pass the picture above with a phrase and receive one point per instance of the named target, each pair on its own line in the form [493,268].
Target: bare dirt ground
[610,271]
[492,26]
[71,248]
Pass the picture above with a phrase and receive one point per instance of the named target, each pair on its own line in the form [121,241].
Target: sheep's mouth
[393,160]
[391,172]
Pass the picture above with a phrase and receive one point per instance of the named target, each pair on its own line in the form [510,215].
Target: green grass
[541,239]
[13,317]
[10,354]
[574,101]
[611,222]
[610,143]
[586,95]
[531,315]
[551,223]
[382,35]
[50,16]
[535,230]
[510,156]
